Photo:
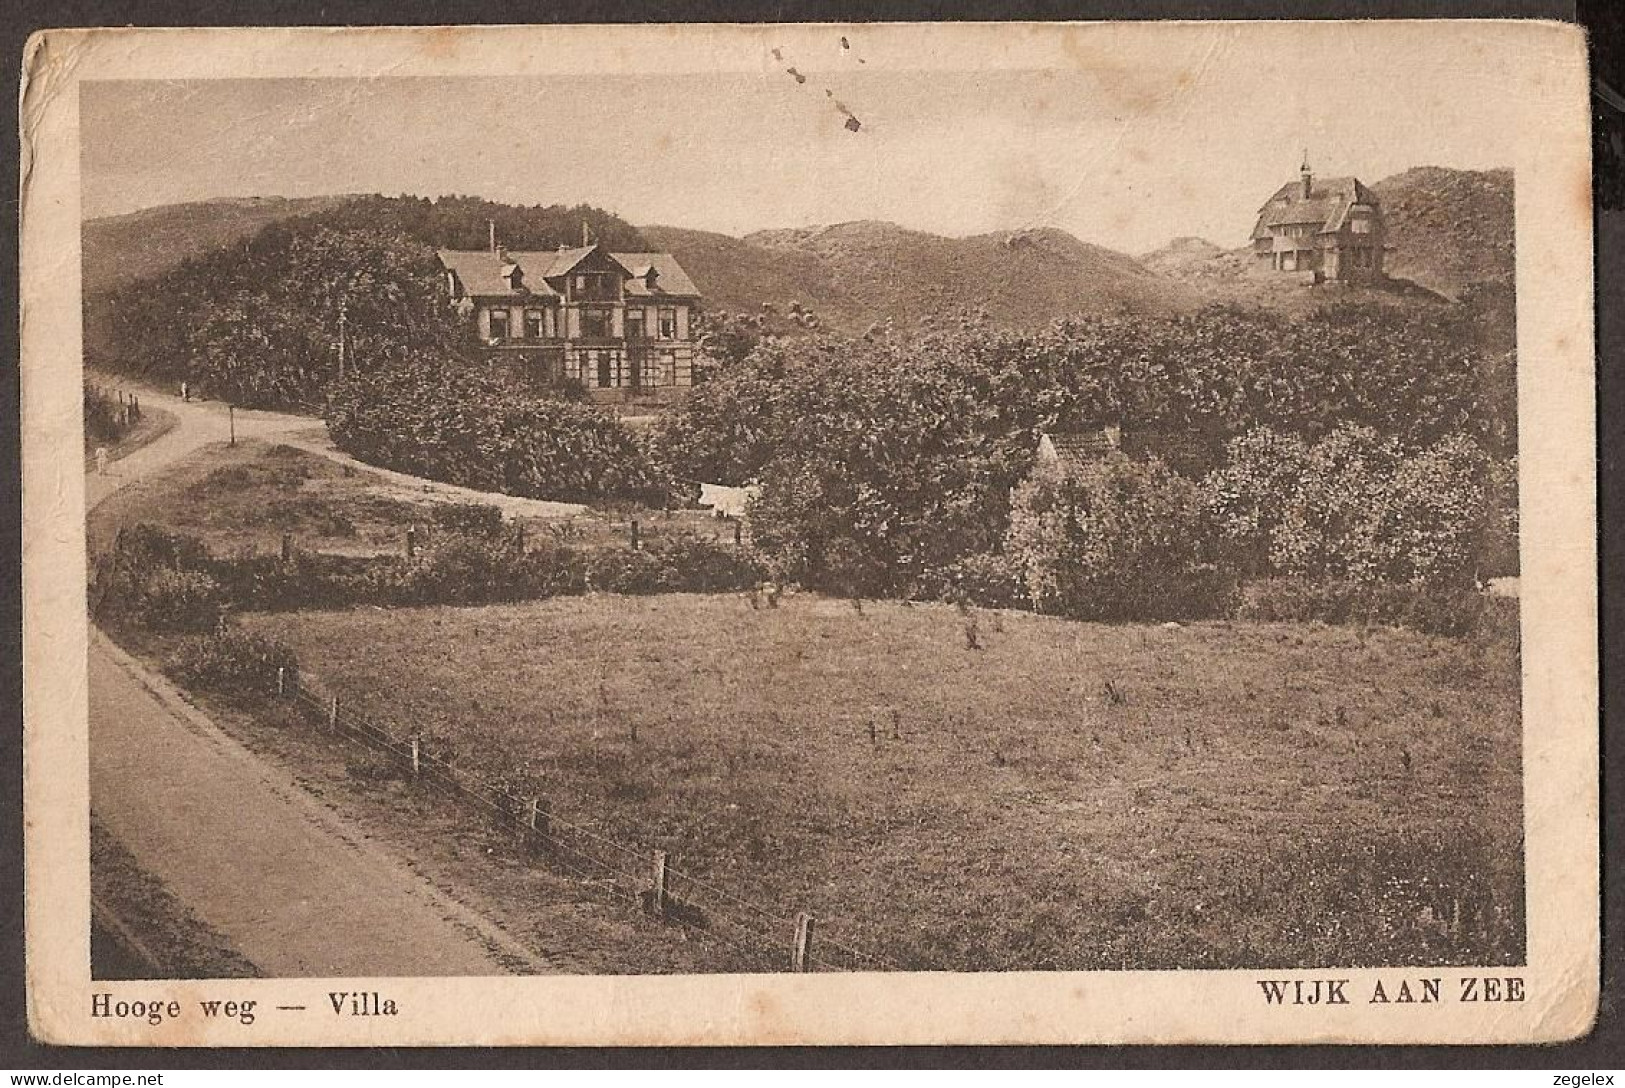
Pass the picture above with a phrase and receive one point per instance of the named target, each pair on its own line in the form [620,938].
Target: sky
[1184,134]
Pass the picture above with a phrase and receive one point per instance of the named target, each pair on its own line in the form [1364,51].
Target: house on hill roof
[1327,228]
[619,323]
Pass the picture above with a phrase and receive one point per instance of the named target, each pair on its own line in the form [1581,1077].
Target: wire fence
[760,935]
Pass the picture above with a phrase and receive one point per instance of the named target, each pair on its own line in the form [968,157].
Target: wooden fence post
[536,820]
[231,418]
[635,541]
[411,542]
[287,547]
[281,681]
[417,755]
[333,715]
[657,895]
[739,536]
[804,932]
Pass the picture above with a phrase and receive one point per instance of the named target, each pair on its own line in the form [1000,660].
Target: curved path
[247,849]
[200,423]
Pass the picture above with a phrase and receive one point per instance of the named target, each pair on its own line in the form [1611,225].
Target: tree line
[1369,442]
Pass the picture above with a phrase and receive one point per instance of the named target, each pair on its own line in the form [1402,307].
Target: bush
[177,600]
[103,417]
[1456,612]
[990,579]
[473,518]
[144,546]
[440,418]
[306,580]
[1114,539]
[159,580]
[231,663]
[681,564]
[1354,506]
[468,569]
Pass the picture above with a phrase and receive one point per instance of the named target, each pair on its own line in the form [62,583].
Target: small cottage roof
[1076,447]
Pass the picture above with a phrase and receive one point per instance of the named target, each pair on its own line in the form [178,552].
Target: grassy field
[244,498]
[1071,795]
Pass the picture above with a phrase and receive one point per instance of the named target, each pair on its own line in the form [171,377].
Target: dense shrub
[1114,539]
[1442,611]
[145,546]
[176,600]
[679,564]
[231,663]
[990,579]
[306,580]
[1354,505]
[104,418]
[157,579]
[461,568]
[461,424]
[476,518]
[883,462]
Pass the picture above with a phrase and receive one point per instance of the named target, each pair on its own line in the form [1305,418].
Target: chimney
[584,242]
[491,225]
[1305,176]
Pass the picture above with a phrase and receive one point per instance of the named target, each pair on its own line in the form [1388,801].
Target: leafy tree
[260,326]
[884,462]
[1114,538]
[1355,506]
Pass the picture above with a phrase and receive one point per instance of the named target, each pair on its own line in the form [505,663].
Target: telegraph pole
[344,307]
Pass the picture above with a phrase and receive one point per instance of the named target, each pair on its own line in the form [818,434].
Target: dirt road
[200,423]
[248,850]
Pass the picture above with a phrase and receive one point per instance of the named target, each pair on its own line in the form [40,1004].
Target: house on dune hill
[1322,229]
[619,323]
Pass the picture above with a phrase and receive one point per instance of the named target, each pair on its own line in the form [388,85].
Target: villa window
[634,323]
[533,324]
[668,323]
[499,324]
[606,374]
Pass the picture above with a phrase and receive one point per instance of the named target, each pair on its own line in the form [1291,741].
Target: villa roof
[486,274]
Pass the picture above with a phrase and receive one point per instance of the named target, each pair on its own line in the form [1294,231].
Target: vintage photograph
[779,511]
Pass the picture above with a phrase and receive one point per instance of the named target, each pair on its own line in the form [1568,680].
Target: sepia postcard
[833,534]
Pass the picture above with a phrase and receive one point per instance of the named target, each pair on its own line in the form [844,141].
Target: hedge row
[170,582]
